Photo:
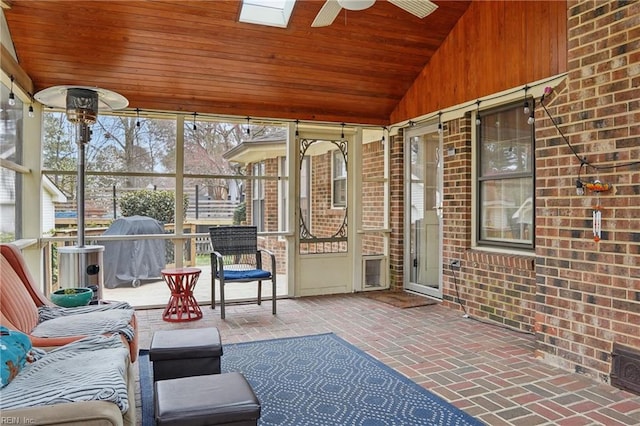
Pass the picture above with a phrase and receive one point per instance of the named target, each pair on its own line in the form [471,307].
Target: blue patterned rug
[323,380]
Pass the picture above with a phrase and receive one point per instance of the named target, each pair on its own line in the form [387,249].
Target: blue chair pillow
[15,348]
[247,274]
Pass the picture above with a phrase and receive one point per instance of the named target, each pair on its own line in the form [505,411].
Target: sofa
[25,308]
[90,381]
[63,366]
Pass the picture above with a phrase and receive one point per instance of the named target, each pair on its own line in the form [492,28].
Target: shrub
[156,204]
[240,214]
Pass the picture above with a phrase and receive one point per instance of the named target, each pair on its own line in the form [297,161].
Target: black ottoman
[220,399]
[184,353]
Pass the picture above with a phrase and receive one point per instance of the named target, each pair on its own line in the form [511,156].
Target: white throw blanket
[90,323]
[46,313]
[90,369]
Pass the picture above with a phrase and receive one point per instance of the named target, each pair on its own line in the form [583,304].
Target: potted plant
[72,297]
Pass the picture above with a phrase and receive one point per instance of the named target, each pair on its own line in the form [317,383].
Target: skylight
[274,13]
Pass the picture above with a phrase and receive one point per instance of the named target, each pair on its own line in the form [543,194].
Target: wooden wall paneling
[490,50]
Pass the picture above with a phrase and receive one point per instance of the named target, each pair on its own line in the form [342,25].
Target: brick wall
[588,292]
[325,220]
[271,195]
[275,244]
[396,211]
[372,196]
[493,286]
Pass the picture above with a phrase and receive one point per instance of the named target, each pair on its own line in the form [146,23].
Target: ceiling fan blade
[327,14]
[419,8]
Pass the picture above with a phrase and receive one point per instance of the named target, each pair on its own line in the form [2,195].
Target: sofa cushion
[15,302]
[94,368]
[15,348]
[247,274]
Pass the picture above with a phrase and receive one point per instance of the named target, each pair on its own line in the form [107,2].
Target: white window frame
[337,155]
[509,244]
[257,196]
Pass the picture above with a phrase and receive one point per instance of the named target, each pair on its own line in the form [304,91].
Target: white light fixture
[531,119]
[356,4]
[12,97]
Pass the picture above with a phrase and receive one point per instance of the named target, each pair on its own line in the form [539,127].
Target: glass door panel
[424,213]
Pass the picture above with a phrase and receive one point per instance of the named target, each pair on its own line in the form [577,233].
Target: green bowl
[72,297]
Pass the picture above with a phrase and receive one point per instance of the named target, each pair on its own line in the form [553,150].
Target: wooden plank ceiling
[194,56]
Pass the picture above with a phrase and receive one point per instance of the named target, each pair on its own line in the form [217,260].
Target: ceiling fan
[332,8]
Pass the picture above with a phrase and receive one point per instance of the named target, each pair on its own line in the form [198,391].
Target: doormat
[400,299]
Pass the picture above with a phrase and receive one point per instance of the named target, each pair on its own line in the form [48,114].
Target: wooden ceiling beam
[13,68]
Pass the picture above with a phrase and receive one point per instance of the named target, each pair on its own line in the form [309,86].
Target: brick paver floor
[486,370]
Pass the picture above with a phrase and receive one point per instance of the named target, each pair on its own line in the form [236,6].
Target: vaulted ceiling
[194,56]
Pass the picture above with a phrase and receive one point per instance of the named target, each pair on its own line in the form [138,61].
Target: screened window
[339,179]
[505,181]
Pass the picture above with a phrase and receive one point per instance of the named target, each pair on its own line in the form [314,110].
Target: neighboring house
[51,194]
[7,202]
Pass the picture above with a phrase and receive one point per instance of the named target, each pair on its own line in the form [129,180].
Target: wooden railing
[219,211]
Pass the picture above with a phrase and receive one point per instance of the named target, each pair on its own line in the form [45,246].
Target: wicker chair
[236,258]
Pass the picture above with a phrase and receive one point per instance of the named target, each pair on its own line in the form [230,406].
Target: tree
[60,150]
[205,144]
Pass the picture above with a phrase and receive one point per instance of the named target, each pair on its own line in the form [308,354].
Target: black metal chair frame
[235,248]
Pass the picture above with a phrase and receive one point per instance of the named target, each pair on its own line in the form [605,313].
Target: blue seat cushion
[246,274]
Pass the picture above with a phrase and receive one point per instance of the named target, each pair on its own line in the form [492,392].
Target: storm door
[423,211]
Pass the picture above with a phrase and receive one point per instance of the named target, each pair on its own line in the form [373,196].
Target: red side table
[182,306]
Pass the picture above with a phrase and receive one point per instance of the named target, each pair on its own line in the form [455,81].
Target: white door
[423,224]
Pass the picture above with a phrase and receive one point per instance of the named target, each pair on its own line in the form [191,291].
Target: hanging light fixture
[138,117]
[248,129]
[342,132]
[12,97]
[440,122]
[31,114]
[478,119]
[297,133]
[526,108]
[194,121]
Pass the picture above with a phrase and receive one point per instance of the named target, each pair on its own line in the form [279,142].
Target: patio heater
[81,265]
